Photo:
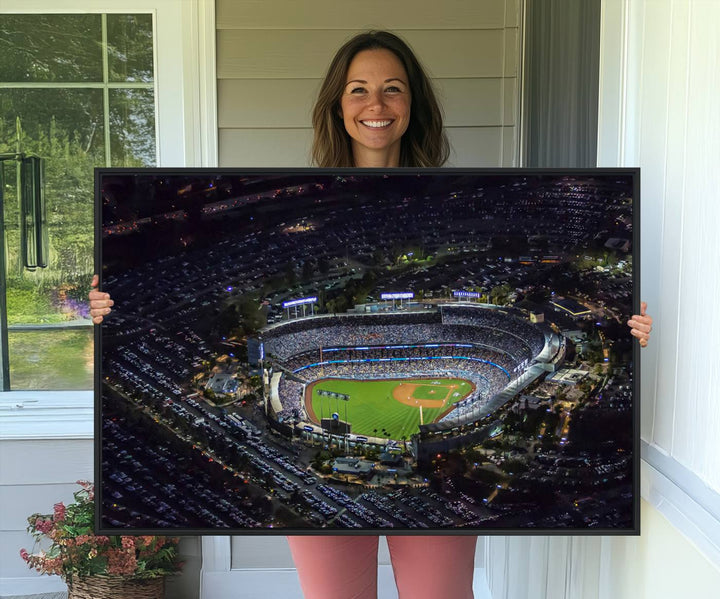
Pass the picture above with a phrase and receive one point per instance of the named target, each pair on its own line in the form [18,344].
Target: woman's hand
[641,325]
[100,302]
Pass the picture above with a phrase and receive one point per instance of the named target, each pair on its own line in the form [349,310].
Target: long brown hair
[423,144]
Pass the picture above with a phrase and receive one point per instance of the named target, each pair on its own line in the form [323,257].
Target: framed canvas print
[309,351]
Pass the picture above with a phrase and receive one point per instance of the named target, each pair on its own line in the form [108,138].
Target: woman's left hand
[641,325]
[100,303]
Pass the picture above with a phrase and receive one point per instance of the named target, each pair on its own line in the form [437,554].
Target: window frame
[186,134]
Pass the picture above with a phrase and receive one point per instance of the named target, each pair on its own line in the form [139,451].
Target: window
[77,90]
[186,135]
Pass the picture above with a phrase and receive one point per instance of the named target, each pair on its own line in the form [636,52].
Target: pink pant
[339,567]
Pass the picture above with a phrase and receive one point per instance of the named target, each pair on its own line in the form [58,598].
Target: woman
[377,108]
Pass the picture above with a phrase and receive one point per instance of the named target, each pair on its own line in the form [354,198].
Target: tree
[251,319]
[227,320]
[500,294]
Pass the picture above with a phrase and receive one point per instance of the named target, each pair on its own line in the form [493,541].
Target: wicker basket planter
[116,587]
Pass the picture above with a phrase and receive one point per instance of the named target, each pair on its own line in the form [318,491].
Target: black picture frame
[199,262]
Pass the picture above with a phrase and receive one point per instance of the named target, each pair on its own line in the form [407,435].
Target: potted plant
[96,566]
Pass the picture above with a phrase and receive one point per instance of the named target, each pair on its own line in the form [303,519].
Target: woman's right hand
[100,302]
[641,325]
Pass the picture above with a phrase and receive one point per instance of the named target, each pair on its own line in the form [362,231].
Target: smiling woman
[376,99]
[375,107]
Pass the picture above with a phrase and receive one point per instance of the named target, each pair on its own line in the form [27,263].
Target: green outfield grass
[373,411]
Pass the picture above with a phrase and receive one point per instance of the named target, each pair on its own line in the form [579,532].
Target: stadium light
[400,296]
[300,302]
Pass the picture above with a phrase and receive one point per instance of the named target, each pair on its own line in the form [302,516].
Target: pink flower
[145,540]
[73,554]
[59,512]
[121,561]
[128,542]
[44,526]
[53,565]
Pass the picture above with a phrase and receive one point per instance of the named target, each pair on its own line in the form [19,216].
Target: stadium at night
[436,350]
[488,348]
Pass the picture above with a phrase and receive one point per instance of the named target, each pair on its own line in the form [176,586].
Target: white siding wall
[271,57]
[671,129]
[34,475]
[660,81]
[660,564]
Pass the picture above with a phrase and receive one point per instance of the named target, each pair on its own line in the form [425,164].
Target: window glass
[65,127]
[132,127]
[38,48]
[76,103]
[52,359]
[130,47]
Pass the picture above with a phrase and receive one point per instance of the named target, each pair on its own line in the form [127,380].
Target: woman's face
[375,107]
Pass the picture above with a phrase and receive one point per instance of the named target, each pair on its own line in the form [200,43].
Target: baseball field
[388,408]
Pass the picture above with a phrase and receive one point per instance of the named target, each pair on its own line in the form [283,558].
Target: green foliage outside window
[76,90]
